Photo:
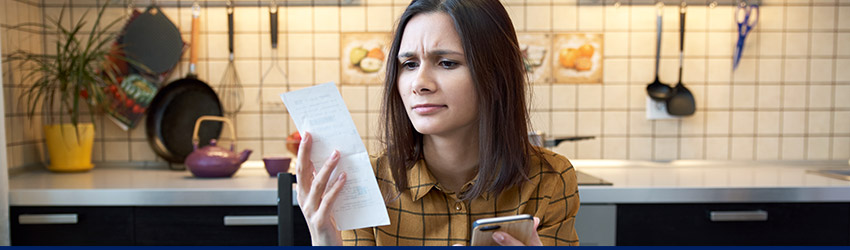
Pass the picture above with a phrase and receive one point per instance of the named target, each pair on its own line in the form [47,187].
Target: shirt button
[459,206]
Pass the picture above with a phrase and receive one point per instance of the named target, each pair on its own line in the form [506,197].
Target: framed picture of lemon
[577,58]
[363,57]
[536,56]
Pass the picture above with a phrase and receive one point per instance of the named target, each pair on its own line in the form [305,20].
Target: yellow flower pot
[68,153]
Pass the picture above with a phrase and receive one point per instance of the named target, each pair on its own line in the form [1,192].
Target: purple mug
[278,164]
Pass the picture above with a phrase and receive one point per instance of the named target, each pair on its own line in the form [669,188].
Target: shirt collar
[421,181]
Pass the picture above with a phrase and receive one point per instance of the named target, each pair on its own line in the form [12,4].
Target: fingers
[304,168]
[506,239]
[329,198]
[320,181]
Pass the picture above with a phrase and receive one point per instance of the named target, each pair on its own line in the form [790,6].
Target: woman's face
[434,79]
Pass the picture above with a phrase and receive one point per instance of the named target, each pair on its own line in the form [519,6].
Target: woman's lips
[425,109]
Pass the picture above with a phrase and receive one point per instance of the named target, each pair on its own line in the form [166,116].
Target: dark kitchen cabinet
[80,226]
[124,226]
[733,224]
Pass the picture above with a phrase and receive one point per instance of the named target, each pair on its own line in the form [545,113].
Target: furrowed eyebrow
[435,53]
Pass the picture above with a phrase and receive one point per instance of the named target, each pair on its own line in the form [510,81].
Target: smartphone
[519,226]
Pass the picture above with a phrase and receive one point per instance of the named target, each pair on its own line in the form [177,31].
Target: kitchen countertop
[633,182]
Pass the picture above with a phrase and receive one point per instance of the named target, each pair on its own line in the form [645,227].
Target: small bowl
[276,164]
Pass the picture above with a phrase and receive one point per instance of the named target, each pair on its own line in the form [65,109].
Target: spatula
[681,103]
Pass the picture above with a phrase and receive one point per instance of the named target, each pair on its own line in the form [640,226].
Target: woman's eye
[448,64]
[410,65]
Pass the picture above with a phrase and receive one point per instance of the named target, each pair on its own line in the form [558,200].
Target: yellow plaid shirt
[425,215]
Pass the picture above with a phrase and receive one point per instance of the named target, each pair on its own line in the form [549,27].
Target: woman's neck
[453,160]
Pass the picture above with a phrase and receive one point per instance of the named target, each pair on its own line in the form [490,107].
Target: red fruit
[130,102]
[293,141]
[85,94]
[138,109]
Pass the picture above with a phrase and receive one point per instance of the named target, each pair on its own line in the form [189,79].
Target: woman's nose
[424,82]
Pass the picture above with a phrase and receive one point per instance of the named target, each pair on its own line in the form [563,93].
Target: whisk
[275,66]
[230,88]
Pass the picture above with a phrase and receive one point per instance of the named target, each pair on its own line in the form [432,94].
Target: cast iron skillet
[174,109]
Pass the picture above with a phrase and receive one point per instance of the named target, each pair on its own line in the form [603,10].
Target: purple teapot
[211,160]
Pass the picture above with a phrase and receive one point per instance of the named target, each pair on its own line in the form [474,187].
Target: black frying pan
[174,109]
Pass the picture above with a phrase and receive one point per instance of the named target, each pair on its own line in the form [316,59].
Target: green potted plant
[70,83]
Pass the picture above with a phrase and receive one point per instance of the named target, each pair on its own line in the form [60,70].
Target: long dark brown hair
[495,63]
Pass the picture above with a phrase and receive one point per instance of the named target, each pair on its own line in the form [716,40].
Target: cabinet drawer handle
[757,215]
[250,220]
[36,219]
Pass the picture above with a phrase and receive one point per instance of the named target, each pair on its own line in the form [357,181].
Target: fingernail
[304,138]
[335,155]
[498,236]
[341,176]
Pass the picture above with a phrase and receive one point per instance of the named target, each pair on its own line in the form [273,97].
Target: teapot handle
[196,140]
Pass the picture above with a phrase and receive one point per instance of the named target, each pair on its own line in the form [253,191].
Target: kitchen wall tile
[361,123]
[539,18]
[841,92]
[742,148]
[717,122]
[643,17]
[374,125]
[540,98]
[616,71]
[798,17]
[589,122]
[640,148]
[794,96]
[589,97]
[772,43]
[844,17]
[255,146]
[564,123]
[214,19]
[615,123]
[769,96]
[691,148]
[379,18]
[821,70]
[722,43]
[823,18]
[643,44]
[538,1]
[216,47]
[746,71]
[718,96]
[564,18]
[300,45]
[743,123]
[141,151]
[246,46]
[614,148]
[248,70]
[637,96]
[820,96]
[116,151]
[693,125]
[841,148]
[617,18]
[721,18]
[352,19]
[693,71]
[615,96]
[300,72]
[793,148]
[719,71]
[767,148]
[767,123]
[270,100]
[589,149]
[695,44]
[540,121]
[666,149]
[327,71]
[793,122]
[796,70]
[564,96]
[299,19]
[717,148]
[517,14]
[266,50]
[275,126]
[590,18]
[669,71]
[642,71]
[247,126]
[819,122]
[696,19]
[374,95]
[327,45]
[842,75]
[743,96]
[638,124]
[326,18]
[841,122]
[616,44]
[275,148]
[110,131]
[796,44]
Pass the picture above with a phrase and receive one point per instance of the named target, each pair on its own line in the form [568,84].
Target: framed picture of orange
[577,58]
[363,57]
[535,55]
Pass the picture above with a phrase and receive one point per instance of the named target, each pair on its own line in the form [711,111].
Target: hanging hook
[273,6]
[713,4]
[617,4]
[229,4]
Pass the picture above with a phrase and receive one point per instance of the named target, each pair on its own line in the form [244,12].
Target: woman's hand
[506,239]
[316,195]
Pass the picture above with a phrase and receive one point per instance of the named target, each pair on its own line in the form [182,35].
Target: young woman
[455,130]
